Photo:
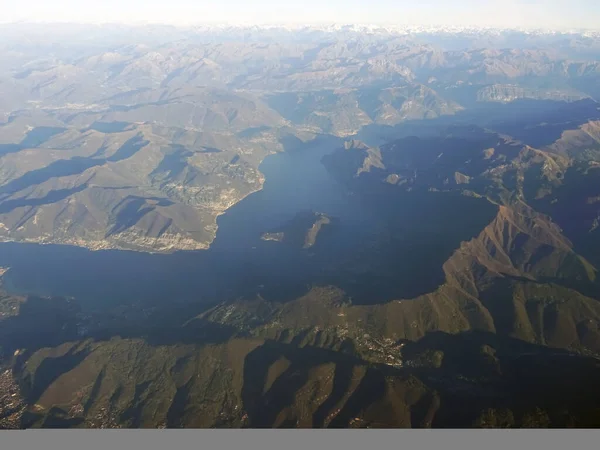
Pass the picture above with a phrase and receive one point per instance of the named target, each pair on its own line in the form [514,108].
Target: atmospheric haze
[549,14]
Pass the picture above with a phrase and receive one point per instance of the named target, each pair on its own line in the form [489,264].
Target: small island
[302,231]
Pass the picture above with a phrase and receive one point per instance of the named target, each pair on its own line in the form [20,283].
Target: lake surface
[240,263]
[295,181]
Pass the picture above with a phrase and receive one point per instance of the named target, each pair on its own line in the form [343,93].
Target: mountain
[233,96]
[345,227]
[136,187]
[513,302]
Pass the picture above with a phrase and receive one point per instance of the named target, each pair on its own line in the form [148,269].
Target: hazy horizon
[550,14]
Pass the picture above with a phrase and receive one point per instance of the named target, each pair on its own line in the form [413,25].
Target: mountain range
[329,229]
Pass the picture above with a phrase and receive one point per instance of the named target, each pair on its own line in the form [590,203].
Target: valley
[313,230]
